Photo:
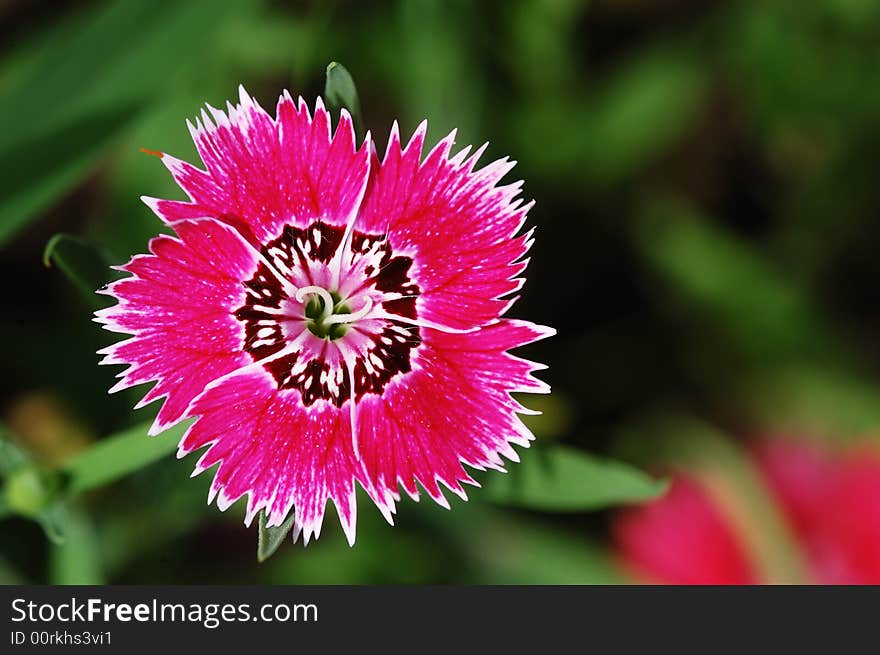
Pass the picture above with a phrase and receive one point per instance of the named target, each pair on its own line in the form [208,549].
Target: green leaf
[9,575]
[77,99]
[642,110]
[11,456]
[53,520]
[841,406]
[77,560]
[564,479]
[269,539]
[341,91]
[625,121]
[757,308]
[434,69]
[117,456]
[29,490]
[39,170]
[528,552]
[505,548]
[82,263]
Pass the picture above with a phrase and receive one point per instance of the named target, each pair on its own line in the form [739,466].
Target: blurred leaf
[806,67]
[269,539]
[543,32]
[117,456]
[30,491]
[824,402]
[149,41]
[559,478]
[502,547]
[127,536]
[53,520]
[430,60]
[37,171]
[20,61]
[76,561]
[506,549]
[528,553]
[733,285]
[274,42]
[341,92]
[9,575]
[81,262]
[11,456]
[634,115]
[33,492]
[89,85]
[643,108]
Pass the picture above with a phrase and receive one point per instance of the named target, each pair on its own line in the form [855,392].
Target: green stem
[118,456]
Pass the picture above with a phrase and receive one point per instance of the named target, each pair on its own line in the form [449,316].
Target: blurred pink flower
[330,317]
[831,502]
[681,539]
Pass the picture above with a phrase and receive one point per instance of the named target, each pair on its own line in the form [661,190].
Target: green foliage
[340,91]
[29,490]
[9,575]
[76,561]
[523,552]
[504,548]
[12,458]
[30,185]
[842,406]
[119,455]
[270,538]
[560,479]
[87,267]
[622,125]
[766,315]
[89,84]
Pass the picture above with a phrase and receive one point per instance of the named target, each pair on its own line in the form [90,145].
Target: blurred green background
[708,209]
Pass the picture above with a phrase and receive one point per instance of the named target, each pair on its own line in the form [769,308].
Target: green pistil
[316,317]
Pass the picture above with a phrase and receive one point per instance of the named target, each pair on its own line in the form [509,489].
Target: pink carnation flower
[830,501]
[331,318]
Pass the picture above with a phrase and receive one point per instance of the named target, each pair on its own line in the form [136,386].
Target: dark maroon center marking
[386,355]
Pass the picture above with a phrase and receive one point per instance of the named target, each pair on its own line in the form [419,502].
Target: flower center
[320,323]
[327,314]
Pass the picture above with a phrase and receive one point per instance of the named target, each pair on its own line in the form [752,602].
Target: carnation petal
[262,173]
[284,456]
[454,408]
[177,303]
[455,222]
